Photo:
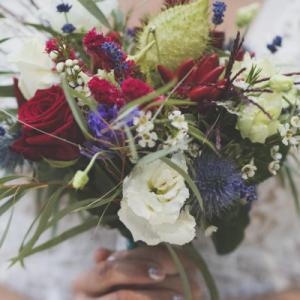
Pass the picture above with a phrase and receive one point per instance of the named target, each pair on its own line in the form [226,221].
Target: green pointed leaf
[4,40]
[196,257]
[94,10]
[43,28]
[76,111]
[61,164]
[293,188]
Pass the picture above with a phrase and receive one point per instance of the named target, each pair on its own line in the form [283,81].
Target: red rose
[48,111]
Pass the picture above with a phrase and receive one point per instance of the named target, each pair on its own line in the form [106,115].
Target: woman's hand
[146,273]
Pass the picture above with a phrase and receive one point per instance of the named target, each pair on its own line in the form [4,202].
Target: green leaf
[7,91]
[293,187]
[196,257]
[76,111]
[183,275]
[61,164]
[11,178]
[200,136]
[90,102]
[57,240]
[94,10]
[132,145]
[187,178]
[231,228]
[43,28]
[5,232]
[4,40]
[42,224]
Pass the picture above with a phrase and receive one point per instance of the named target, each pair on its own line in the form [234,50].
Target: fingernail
[156,274]
[177,297]
[111,258]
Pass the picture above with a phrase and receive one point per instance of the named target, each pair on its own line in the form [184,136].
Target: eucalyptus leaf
[4,40]
[94,10]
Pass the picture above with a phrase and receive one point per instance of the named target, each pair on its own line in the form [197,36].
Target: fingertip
[101,255]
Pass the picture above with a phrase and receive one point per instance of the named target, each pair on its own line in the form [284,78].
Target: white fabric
[268,259]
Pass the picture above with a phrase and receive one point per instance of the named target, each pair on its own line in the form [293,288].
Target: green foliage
[94,10]
[231,228]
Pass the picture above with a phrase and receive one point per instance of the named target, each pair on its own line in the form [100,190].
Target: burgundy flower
[131,89]
[48,111]
[199,80]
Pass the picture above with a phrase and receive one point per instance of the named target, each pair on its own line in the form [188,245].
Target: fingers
[116,273]
[137,295]
[101,255]
[158,255]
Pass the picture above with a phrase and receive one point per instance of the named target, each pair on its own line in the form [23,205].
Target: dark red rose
[48,111]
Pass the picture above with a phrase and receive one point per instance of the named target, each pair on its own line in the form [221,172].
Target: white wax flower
[78,15]
[35,67]
[152,206]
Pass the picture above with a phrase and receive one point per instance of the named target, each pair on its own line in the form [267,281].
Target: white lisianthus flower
[152,206]
[35,67]
[254,123]
[77,16]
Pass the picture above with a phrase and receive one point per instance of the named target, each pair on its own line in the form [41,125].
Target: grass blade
[183,276]
[196,257]
[94,10]
[7,91]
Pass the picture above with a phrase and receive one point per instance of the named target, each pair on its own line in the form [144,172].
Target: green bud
[281,83]
[246,14]
[80,180]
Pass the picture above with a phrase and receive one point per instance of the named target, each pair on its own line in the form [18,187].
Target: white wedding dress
[268,259]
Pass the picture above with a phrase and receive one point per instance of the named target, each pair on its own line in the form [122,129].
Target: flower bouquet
[161,131]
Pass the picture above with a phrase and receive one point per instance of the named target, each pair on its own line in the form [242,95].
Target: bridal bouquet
[161,130]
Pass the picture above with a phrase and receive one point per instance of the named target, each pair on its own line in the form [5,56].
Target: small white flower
[147,139]
[76,68]
[295,122]
[60,67]
[69,62]
[249,170]
[178,120]
[288,134]
[53,55]
[143,122]
[180,140]
[275,154]
[274,167]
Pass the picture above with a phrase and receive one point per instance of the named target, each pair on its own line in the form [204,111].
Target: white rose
[153,197]
[78,15]
[35,67]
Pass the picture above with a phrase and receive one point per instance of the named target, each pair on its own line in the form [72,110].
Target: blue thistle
[2,131]
[277,42]
[63,8]
[68,28]
[219,8]
[9,160]
[220,184]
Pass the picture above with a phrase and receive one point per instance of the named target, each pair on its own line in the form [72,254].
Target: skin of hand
[145,273]
[6,294]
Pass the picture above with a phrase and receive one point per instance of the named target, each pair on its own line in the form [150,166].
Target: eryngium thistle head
[9,160]
[220,184]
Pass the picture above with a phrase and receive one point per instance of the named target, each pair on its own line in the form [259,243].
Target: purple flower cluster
[219,8]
